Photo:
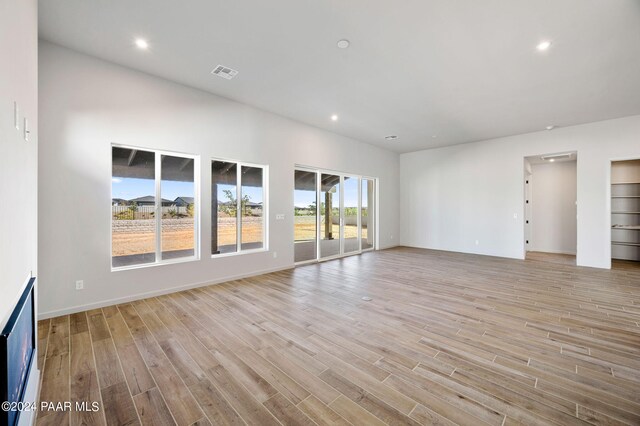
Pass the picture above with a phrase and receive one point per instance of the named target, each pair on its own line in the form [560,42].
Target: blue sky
[130,188]
[305,198]
[254,193]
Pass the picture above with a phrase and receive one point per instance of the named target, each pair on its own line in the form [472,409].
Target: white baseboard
[138,296]
[553,251]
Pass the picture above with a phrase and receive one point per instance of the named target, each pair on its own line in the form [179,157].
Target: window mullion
[341,215]
[318,219]
[265,215]
[239,207]
[359,214]
[158,177]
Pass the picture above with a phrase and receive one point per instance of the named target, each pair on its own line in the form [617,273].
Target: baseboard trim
[553,252]
[138,296]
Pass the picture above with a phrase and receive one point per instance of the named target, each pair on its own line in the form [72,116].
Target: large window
[154,207]
[238,207]
[367,213]
[333,214]
[330,218]
[305,215]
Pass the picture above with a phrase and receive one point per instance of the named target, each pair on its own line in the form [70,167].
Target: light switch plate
[16,113]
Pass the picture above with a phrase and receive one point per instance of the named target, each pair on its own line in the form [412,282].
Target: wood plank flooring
[565,259]
[447,339]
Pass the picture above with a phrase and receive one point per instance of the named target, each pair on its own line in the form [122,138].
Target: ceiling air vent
[224,72]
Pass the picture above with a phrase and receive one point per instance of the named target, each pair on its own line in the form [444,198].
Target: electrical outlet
[280,216]
[26,129]
[80,285]
[515,215]
[275,254]
[477,242]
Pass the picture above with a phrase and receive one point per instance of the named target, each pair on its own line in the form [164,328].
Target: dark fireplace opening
[17,347]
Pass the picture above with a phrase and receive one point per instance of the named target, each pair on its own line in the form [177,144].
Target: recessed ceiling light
[434,136]
[334,117]
[543,45]
[550,127]
[343,44]
[142,44]
[391,137]
[552,160]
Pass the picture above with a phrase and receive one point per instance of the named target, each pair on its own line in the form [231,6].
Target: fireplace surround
[17,355]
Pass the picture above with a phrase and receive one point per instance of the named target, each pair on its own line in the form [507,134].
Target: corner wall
[19,166]
[453,196]
[18,158]
[87,104]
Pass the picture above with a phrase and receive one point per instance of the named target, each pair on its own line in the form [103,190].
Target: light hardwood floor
[447,338]
[565,259]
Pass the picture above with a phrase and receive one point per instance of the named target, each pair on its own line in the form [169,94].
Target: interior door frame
[371,206]
[527,194]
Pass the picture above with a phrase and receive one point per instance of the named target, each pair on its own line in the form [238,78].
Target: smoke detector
[224,72]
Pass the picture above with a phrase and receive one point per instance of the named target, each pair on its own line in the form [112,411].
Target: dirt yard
[130,243]
[305,229]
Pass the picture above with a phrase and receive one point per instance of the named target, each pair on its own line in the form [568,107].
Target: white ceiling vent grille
[224,72]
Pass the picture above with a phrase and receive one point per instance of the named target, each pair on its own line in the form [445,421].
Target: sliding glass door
[330,229]
[333,215]
[350,215]
[305,218]
[367,212]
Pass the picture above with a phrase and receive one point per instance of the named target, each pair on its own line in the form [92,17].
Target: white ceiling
[462,70]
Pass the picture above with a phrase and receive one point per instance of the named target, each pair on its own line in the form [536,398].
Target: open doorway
[550,207]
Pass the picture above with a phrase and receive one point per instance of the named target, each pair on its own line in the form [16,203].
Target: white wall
[18,162]
[86,104]
[553,207]
[453,196]
[18,159]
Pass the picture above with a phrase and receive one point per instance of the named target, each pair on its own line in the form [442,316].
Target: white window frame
[372,205]
[265,207]
[158,208]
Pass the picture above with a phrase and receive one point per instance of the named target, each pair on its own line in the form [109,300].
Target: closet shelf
[622,243]
[625,241]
